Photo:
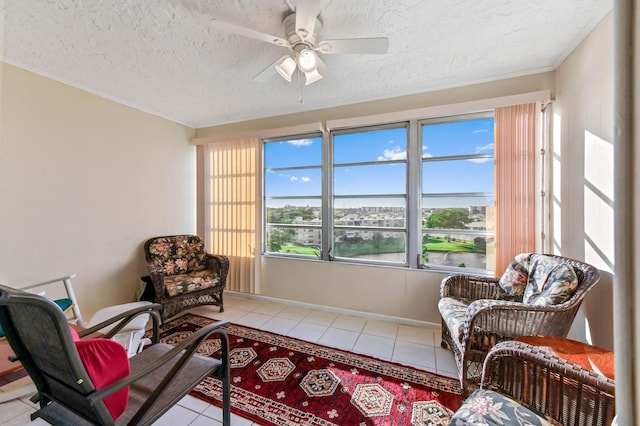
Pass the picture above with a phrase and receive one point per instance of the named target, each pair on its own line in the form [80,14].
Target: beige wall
[83,182]
[582,173]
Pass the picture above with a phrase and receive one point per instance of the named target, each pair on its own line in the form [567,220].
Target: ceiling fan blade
[307,12]
[375,45]
[247,32]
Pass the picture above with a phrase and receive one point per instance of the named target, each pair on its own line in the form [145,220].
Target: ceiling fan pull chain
[301,85]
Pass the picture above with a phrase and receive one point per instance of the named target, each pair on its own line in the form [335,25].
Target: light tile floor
[409,345]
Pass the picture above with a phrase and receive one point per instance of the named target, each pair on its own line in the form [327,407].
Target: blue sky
[445,139]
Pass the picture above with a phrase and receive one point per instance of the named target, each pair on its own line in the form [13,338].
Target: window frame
[453,119]
[332,197]
[413,195]
[265,224]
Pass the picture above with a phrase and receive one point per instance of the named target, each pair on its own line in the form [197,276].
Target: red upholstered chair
[92,381]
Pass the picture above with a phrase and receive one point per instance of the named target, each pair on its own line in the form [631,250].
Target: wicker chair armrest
[470,287]
[511,319]
[547,383]
[220,263]
[156,272]
[478,306]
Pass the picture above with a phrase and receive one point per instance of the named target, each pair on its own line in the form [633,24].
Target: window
[369,195]
[350,200]
[293,196]
[457,192]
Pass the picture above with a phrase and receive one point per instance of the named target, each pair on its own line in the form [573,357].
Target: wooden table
[580,353]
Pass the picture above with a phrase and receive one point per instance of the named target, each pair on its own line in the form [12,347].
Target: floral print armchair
[537,294]
[183,274]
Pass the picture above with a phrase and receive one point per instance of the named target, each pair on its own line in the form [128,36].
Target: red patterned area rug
[279,380]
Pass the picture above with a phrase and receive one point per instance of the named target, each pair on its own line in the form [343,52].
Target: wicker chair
[479,321]
[528,382]
[183,274]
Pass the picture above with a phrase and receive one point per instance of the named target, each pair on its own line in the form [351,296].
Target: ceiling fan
[301,37]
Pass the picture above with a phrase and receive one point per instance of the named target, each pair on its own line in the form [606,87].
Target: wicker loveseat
[183,274]
[529,385]
[537,295]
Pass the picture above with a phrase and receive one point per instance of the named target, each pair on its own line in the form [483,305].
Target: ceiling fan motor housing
[294,38]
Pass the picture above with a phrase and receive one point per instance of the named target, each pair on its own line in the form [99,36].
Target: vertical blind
[515,150]
[232,219]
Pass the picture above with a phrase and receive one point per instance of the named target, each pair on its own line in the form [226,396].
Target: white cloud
[480,160]
[425,154]
[480,131]
[394,153]
[292,178]
[300,142]
[487,147]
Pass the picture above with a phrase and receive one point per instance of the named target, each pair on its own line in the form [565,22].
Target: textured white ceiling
[164,57]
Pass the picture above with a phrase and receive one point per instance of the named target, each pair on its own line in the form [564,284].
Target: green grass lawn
[298,249]
[368,247]
[441,244]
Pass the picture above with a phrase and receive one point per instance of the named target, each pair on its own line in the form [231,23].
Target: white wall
[582,167]
[83,182]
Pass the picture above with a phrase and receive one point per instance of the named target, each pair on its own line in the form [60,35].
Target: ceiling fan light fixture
[286,68]
[307,61]
[312,77]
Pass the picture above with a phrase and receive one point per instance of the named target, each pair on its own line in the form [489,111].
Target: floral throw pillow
[513,282]
[488,408]
[550,281]
[179,254]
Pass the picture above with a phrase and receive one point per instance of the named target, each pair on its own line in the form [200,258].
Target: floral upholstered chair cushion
[550,282]
[183,260]
[453,311]
[537,280]
[488,408]
[514,280]
[178,255]
[186,283]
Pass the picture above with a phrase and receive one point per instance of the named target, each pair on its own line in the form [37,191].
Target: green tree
[449,219]
[377,239]
[278,238]
[480,243]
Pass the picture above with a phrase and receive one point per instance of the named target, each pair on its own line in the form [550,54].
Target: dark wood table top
[580,353]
